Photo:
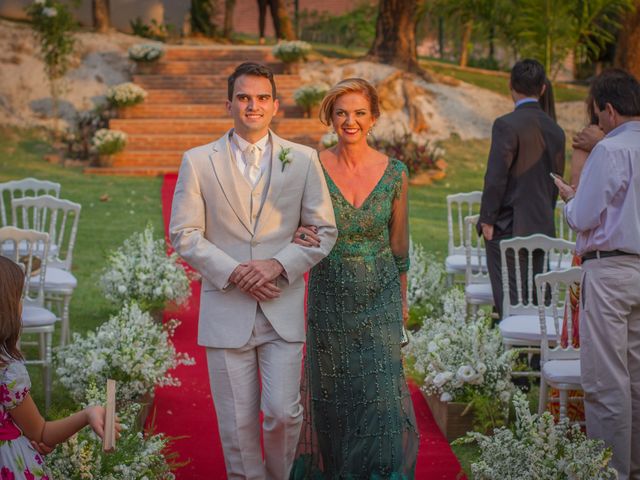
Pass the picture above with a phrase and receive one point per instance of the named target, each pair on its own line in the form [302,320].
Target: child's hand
[96,418]
[42,448]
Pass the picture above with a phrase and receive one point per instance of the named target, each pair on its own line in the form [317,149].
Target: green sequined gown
[359,420]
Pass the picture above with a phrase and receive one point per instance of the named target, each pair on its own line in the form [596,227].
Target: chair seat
[458,264]
[37,317]
[56,280]
[565,263]
[479,293]
[562,371]
[527,328]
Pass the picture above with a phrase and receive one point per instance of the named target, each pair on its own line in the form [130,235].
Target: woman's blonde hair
[11,285]
[349,85]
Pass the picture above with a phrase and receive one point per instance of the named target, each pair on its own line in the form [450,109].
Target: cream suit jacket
[210,228]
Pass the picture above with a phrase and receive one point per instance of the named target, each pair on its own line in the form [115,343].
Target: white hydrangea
[49,12]
[126,94]
[329,139]
[291,51]
[310,95]
[108,141]
[146,52]
[538,448]
[130,348]
[141,271]
[458,358]
[425,280]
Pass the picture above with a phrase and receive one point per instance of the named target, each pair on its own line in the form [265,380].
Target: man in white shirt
[238,202]
[605,212]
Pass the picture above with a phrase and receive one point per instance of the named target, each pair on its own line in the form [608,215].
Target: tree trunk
[229,6]
[628,47]
[101,17]
[466,40]
[395,41]
[285,21]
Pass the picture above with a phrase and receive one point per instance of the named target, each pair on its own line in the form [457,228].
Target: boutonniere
[284,156]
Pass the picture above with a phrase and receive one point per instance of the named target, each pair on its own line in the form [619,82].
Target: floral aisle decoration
[141,271]
[309,97]
[425,284]
[139,455]
[126,95]
[130,348]
[292,53]
[463,361]
[146,52]
[538,448]
[107,143]
[329,139]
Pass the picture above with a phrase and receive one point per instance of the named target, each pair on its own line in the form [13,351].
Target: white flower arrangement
[539,449]
[138,455]
[126,94]
[109,142]
[130,348]
[146,52]
[425,280]
[291,51]
[310,95]
[460,359]
[141,271]
[329,139]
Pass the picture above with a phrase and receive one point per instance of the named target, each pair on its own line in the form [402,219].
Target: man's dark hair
[527,77]
[620,89]
[250,68]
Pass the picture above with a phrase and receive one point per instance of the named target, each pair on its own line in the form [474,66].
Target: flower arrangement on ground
[138,455]
[310,96]
[291,51]
[141,271]
[329,139]
[417,156]
[538,448]
[462,361]
[109,142]
[130,348]
[425,284]
[146,52]
[126,95]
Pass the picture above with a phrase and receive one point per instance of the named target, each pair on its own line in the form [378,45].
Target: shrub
[145,52]
[291,51]
[126,94]
[356,28]
[109,142]
[425,281]
[154,31]
[309,96]
[418,157]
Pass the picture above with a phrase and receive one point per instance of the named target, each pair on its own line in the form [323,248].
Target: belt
[603,254]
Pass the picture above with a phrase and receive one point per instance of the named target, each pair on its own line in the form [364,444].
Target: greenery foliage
[202,14]
[78,138]
[155,30]
[417,156]
[109,142]
[356,28]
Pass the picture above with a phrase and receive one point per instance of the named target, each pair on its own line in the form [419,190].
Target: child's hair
[11,285]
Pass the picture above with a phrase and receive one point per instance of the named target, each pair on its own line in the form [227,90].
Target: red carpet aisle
[188,410]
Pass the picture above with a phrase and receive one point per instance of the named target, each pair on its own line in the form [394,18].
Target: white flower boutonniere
[284,156]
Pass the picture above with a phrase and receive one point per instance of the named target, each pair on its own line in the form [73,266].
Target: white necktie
[252,156]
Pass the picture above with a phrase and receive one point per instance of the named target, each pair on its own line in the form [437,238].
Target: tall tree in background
[202,13]
[229,6]
[285,21]
[395,40]
[628,47]
[101,16]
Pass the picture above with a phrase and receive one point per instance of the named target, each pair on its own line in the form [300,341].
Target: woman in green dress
[359,416]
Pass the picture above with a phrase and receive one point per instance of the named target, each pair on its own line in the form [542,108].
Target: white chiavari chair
[459,205]
[26,187]
[477,289]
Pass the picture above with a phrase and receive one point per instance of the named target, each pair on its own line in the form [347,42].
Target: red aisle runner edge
[187,411]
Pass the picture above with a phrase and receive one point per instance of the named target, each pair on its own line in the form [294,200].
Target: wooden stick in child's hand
[109,439]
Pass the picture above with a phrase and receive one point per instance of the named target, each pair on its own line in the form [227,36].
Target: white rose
[466,373]
[481,368]
[504,396]
[432,347]
[457,383]
[446,397]
[122,289]
[442,378]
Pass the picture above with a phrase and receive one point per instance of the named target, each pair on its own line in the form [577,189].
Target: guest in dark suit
[519,197]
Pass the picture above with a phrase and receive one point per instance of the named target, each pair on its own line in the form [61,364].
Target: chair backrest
[518,252]
[23,247]
[564,286]
[58,217]
[460,205]
[563,230]
[476,269]
[26,187]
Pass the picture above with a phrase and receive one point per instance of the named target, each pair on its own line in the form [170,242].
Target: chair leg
[474,312]
[65,334]
[449,280]
[564,400]
[47,369]
[542,399]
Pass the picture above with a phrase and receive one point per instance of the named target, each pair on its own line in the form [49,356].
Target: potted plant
[107,143]
[126,95]
[291,53]
[462,367]
[309,97]
[145,55]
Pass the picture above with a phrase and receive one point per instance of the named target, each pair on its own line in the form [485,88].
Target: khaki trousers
[262,375]
[610,357]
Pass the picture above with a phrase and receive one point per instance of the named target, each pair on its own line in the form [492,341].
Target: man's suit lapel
[233,184]
[276,182]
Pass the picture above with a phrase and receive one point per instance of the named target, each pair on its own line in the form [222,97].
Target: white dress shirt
[239,145]
[606,209]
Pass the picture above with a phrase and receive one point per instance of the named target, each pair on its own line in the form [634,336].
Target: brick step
[202,95]
[164,143]
[142,171]
[238,54]
[156,126]
[204,81]
[197,110]
[148,157]
[221,67]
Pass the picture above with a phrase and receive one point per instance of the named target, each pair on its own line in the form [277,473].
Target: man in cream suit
[237,205]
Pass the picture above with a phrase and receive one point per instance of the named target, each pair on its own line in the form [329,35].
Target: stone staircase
[185,107]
